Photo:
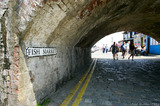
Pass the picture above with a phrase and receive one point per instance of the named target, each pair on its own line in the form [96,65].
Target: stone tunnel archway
[72,27]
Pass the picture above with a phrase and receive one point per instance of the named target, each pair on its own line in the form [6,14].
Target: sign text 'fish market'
[40,51]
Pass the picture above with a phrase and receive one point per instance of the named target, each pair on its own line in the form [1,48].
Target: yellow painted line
[80,94]
[74,90]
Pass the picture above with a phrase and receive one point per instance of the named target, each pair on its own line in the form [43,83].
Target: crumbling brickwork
[8,74]
[4,64]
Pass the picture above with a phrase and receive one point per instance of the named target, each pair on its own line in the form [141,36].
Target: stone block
[69,6]
[88,100]
[74,5]
[62,6]
[5,73]
[107,103]
[65,1]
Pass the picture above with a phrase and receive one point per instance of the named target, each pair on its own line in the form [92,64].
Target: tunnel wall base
[48,73]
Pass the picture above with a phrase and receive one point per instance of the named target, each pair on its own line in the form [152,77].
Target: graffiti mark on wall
[91,6]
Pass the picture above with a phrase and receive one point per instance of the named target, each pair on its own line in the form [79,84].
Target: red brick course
[13,75]
[91,6]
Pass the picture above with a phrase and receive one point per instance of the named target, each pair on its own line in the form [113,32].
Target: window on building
[126,36]
[154,42]
[130,35]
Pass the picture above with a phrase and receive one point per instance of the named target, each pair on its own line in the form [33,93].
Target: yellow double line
[74,90]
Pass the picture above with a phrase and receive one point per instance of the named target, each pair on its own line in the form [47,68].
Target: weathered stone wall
[4,66]
[26,81]
[48,73]
[10,77]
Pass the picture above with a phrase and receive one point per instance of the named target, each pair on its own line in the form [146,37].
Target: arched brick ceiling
[82,23]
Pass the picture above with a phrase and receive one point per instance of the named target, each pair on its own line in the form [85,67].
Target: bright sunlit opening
[109,39]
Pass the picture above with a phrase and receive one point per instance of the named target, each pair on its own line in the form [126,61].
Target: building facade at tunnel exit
[140,40]
[59,34]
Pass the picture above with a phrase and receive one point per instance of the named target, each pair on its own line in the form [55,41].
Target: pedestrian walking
[127,47]
[132,50]
[106,48]
[114,51]
[103,49]
[117,50]
[123,48]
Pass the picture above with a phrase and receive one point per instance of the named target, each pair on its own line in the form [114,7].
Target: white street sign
[40,51]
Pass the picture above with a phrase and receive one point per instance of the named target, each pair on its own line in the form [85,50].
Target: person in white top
[123,48]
